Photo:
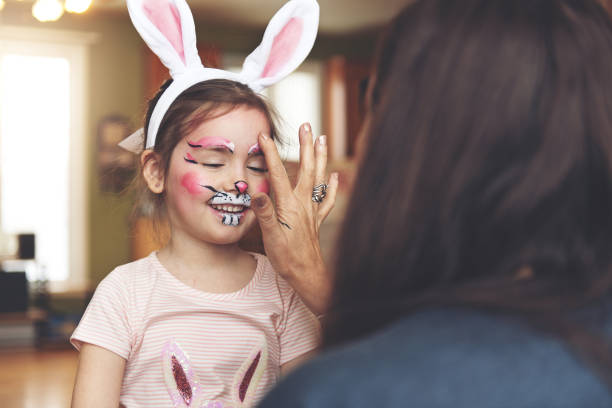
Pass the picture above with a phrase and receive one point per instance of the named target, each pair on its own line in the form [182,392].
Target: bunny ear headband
[168,28]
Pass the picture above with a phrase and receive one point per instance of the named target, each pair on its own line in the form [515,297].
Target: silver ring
[319,192]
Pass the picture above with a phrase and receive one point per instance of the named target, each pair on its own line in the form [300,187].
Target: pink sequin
[182,384]
[246,381]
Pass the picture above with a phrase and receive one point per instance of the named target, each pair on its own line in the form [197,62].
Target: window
[34,154]
[297,99]
[42,156]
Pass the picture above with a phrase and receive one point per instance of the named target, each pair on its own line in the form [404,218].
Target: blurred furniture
[13,292]
[344,104]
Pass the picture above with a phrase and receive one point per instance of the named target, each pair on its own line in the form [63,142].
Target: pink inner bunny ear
[182,383]
[165,16]
[284,45]
[180,379]
[248,376]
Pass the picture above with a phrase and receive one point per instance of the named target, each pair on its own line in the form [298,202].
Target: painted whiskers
[232,206]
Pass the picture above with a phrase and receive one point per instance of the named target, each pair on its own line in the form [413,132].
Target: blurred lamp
[2,3]
[47,10]
[76,6]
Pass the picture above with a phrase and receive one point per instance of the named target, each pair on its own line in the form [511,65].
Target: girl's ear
[152,171]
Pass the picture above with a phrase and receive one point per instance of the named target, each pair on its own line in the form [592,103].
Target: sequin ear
[249,375]
[214,404]
[181,381]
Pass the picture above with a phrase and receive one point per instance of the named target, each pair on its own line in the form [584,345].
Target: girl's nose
[241,186]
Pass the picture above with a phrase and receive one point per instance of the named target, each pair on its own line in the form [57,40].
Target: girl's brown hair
[201,102]
[486,177]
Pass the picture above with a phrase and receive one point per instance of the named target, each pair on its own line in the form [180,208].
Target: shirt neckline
[244,291]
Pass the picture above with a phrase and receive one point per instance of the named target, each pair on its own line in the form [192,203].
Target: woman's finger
[305,180]
[330,199]
[320,160]
[279,181]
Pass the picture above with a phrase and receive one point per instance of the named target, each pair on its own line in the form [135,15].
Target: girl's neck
[197,252]
[206,266]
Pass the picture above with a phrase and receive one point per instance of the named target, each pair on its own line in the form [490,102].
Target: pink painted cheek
[263,187]
[192,183]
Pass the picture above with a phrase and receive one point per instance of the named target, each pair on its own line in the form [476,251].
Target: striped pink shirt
[188,348]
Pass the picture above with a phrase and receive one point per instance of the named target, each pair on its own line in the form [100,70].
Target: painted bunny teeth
[168,28]
[231,219]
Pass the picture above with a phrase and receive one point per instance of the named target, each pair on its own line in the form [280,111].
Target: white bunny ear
[135,142]
[286,43]
[168,29]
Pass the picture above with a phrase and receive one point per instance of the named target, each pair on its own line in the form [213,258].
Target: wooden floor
[36,379]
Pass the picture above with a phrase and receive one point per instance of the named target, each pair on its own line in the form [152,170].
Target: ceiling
[337,16]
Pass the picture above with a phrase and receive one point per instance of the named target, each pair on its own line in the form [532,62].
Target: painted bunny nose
[241,186]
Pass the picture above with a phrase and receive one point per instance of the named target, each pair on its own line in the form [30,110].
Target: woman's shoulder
[447,358]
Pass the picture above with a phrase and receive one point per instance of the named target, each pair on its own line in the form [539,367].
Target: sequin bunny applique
[186,390]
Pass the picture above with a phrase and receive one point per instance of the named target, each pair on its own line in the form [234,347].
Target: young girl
[200,323]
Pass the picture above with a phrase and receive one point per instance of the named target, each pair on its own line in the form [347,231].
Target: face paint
[211,142]
[192,183]
[190,159]
[230,206]
[263,187]
[254,149]
[241,186]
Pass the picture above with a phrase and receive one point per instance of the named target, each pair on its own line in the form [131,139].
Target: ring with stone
[319,192]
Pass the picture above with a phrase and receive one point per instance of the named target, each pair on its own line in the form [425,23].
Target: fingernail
[259,202]
[264,137]
[322,140]
[334,176]
[306,127]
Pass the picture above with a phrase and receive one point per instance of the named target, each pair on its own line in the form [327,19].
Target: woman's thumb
[264,211]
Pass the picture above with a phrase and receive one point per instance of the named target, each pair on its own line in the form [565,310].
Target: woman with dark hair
[474,268]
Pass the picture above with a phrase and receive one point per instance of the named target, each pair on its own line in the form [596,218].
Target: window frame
[73,46]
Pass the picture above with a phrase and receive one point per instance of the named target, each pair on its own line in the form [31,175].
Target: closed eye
[188,160]
[258,169]
[214,165]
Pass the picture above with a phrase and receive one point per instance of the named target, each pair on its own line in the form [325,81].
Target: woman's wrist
[312,282]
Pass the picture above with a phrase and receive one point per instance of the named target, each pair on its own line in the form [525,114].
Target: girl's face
[213,172]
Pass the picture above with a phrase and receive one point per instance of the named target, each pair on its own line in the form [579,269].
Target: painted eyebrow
[189,158]
[212,142]
[255,150]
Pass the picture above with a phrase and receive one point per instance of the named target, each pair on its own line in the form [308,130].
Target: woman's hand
[290,226]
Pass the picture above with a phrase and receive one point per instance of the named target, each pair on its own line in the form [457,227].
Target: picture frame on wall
[116,166]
